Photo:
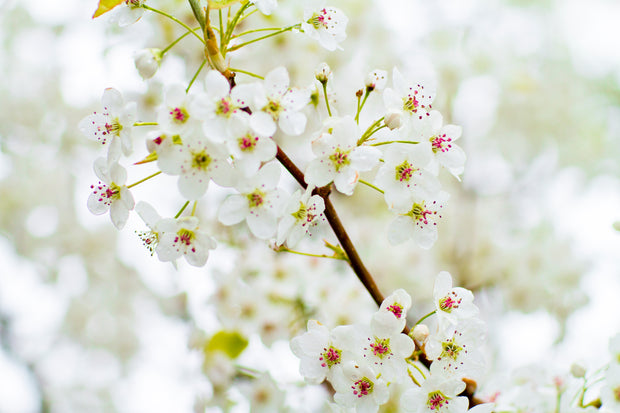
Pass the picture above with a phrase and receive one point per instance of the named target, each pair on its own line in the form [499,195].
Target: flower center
[450,349]
[441,143]
[273,108]
[362,387]
[247,143]
[411,103]
[340,158]
[449,302]
[396,309]
[404,171]
[114,127]
[184,236]
[200,160]
[436,400]
[330,357]
[224,107]
[179,115]
[420,213]
[150,239]
[320,19]
[256,199]
[380,347]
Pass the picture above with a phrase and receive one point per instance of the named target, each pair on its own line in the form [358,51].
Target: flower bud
[577,370]
[393,120]
[419,334]
[376,80]
[147,62]
[322,72]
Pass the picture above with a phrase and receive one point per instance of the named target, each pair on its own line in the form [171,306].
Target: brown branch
[334,222]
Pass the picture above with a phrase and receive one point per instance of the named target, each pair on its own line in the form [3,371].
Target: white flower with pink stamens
[197,161]
[403,175]
[113,125]
[179,112]
[409,101]
[452,304]
[418,221]
[181,237]
[274,102]
[359,387]
[442,137]
[320,351]
[392,314]
[327,25]
[219,103]
[259,203]
[437,395]
[300,217]
[248,148]
[339,159]
[111,194]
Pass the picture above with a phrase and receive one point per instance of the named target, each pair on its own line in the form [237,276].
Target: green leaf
[230,343]
[105,6]
[220,4]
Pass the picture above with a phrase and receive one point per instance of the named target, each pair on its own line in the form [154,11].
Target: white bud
[322,72]
[577,370]
[420,333]
[147,62]
[393,119]
[376,80]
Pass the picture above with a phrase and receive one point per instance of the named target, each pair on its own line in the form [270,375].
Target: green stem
[255,31]
[371,129]
[194,208]
[181,210]
[361,181]
[361,106]
[389,142]
[307,254]
[225,38]
[326,99]
[173,19]
[286,29]
[246,73]
[142,180]
[219,12]
[198,13]
[145,124]
[425,317]
[417,368]
[196,75]
[171,45]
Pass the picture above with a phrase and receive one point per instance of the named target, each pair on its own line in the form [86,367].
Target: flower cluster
[229,136]
[365,362]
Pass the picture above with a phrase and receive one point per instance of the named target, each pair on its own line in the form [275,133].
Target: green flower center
[201,160]
[340,158]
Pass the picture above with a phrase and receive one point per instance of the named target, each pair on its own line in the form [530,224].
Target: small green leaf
[230,343]
[220,4]
[105,6]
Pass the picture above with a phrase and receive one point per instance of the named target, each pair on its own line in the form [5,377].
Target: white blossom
[339,159]
[111,193]
[114,124]
[181,238]
[452,304]
[327,25]
[300,217]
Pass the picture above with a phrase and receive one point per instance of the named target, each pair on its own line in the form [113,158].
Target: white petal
[262,226]
[292,123]
[193,186]
[263,124]
[400,230]
[119,214]
[233,210]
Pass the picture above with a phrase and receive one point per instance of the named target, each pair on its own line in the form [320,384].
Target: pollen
[362,387]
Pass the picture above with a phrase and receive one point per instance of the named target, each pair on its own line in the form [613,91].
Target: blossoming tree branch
[227,127]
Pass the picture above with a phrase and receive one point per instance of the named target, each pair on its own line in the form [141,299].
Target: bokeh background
[89,321]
